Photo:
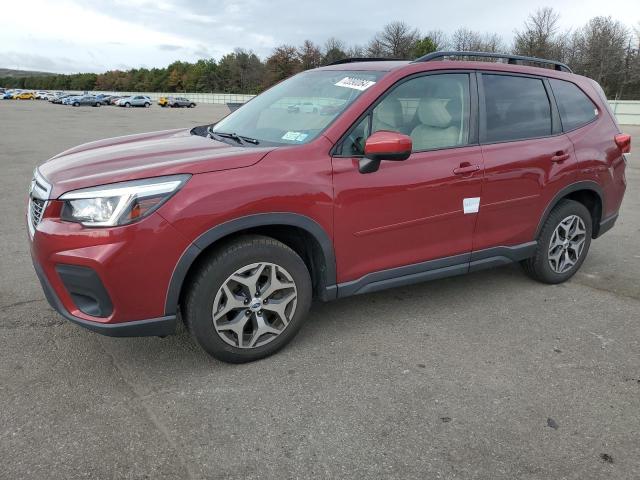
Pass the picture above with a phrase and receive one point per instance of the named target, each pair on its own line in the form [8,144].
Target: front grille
[35,211]
[38,198]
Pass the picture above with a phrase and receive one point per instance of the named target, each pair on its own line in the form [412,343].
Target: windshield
[297,110]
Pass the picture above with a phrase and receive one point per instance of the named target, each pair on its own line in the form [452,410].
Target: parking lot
[487,376]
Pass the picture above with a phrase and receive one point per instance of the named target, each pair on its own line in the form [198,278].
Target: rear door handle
[559,157]
[466,168]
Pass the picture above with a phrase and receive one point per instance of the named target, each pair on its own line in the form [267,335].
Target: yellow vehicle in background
[163,101]
[25,96]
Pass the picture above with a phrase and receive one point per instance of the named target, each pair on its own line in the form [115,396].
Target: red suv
[346,179]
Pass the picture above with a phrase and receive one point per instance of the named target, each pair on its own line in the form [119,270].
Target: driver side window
[433,110]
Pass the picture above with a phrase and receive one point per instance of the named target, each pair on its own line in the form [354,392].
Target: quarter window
[576,109]
[515,108]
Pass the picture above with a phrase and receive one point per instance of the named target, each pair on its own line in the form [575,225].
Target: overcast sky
[96,35]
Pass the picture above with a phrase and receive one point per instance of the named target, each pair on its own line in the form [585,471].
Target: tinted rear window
[516,108]
[576,109]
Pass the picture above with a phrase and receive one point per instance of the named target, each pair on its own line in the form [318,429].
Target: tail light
[623,141]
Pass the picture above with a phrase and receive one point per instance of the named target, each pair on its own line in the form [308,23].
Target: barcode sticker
[355,83]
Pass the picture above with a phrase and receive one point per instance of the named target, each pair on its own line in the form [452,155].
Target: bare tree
[334,49]
[309,55]
[357,51]
[464,39]
[539,36]
[396,40]
[375,48]
[600,53]
[439,39]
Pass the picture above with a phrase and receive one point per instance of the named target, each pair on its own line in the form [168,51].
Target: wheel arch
[587,193]
[299,232]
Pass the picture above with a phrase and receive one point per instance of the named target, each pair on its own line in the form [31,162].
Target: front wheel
[248,300]
[563,243]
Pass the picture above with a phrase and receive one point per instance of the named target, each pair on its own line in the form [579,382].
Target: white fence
[627,111]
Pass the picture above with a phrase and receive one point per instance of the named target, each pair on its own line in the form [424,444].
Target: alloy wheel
[254,305]
[567,243]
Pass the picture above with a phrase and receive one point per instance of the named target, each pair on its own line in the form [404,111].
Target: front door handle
[559,157]
[465,168]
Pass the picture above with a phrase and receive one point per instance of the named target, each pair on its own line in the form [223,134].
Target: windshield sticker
[295,136]
[355,83]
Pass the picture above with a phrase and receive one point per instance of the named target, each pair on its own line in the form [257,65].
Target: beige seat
[435,129]
[388,116]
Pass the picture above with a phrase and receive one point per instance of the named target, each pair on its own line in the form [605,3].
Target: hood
[142,156]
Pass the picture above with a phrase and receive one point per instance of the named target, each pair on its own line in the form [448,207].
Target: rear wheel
[76,104]
[191,105]
[563,243]
[248,300]
[127,104]
[147,105]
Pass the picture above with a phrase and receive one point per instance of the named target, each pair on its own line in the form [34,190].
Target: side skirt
[435,269]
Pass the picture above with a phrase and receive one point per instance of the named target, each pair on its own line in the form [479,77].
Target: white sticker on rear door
[471,205]
[355,83]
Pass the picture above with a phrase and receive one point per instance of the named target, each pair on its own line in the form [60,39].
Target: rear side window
[576,109]
[515,108]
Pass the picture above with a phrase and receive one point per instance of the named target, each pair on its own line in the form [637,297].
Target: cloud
[108,33]
[170,48]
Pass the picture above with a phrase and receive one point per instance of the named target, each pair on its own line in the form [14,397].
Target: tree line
[604,49]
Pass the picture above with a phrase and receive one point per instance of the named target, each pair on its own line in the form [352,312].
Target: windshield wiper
[241,139]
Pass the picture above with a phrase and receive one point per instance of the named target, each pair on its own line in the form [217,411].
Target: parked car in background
[60,98]
[40,95]
[68,100]
[304,107]
[163,101]
[91,100]
[8,95]
[104,99]
[25,96]
[114,100]
[134,101]
[177,102]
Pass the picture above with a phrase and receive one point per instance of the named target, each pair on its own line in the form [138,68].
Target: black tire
[147,105]
[76,104]
[214,271]
[538,267]
[127,105]
[192,105]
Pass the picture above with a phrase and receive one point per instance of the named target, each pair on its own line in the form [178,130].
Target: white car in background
[134,101]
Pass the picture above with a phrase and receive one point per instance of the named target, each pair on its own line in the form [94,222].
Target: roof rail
[512,59]
[361,59]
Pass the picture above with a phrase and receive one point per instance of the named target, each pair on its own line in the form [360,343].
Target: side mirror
[384,145]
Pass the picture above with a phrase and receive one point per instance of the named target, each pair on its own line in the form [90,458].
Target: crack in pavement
[605,290]
[19,304]
[150,413]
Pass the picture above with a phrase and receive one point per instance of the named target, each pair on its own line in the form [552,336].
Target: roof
[387,66]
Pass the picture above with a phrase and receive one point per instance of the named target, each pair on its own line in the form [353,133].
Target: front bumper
[154,327]
[112,280]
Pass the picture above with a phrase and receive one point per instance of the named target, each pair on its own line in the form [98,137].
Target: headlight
[119,203]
